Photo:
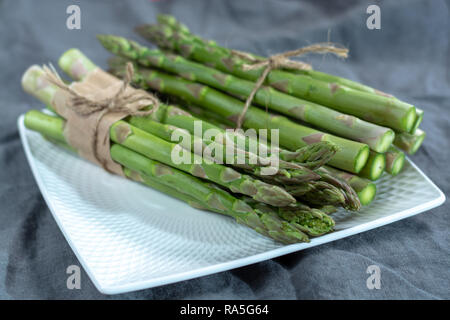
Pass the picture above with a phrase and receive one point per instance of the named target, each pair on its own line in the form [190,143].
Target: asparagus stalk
[179,184]
[352,201]
[155,184]
[364,188]
[410,143]
[317,193]
[158,149]
[395,160]
[376,108]
[206,115]
[374,167]
[376,137]
[351,156]
[312,221]
[327,209]
[311,156]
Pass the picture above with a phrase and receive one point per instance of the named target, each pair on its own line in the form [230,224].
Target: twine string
[281,61]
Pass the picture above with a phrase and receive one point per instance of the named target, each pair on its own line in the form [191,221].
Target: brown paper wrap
[92,106]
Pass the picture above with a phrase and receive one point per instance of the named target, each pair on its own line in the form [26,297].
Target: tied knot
[117,97]
[281,61]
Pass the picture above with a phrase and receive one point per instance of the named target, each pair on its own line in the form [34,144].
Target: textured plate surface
[130,237]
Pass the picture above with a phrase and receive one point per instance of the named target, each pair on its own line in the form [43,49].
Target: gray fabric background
[408,57]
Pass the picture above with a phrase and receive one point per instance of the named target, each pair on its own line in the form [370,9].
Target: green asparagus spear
[356,181]
[374,167]
[376,108]
[395,159]
[329,190]
[352,201]
[418,121]
[376,137]
[410,143]
[364,188]
[312,221]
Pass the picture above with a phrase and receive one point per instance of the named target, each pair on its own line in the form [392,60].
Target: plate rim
[224,266]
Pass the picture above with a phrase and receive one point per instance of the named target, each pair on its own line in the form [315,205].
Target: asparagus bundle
[197,192]
[311,156]
[376,108]
[288,230]
[376,137]
[158,149]
[351,156]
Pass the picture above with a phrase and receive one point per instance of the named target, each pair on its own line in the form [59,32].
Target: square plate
[130,237]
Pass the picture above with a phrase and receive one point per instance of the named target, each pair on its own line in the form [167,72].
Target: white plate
[130,237]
